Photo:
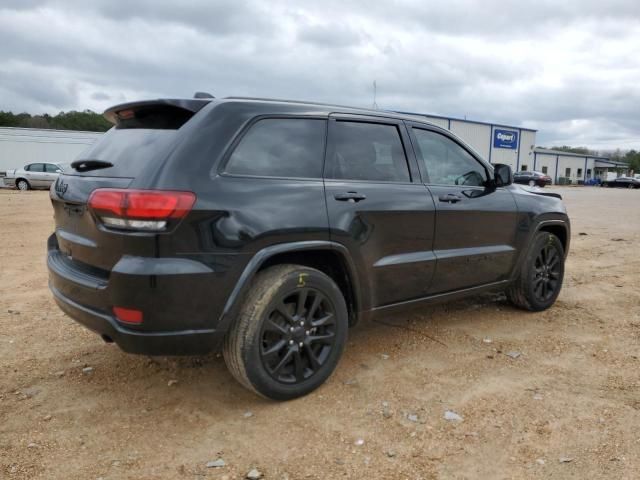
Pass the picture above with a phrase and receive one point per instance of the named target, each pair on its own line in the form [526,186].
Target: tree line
[86,120]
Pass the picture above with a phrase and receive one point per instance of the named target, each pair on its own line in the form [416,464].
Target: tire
[23,185]
[631,187]
[532,183]
[605,185]
[537,288]
[269,350]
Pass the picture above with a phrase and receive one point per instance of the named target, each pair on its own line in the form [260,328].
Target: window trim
[405,141]
[445,133]
[244,130]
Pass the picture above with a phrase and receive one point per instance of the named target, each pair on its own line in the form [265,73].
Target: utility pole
[375,92]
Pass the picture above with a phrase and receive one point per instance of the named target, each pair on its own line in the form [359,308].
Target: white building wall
[440,122]
[477,135]
[504,155]
[576,166]
[527,145]
[545,160]
[20,146]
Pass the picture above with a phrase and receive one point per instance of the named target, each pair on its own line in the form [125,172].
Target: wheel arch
[330,258]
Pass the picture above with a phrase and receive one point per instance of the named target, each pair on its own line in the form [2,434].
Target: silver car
[34,175]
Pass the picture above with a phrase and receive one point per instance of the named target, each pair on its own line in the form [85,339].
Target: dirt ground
[567,407]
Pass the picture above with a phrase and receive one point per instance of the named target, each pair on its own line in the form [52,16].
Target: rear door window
[280,147]
[367,151]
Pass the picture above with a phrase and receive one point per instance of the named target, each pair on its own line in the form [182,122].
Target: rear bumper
[181,301]
[187,342]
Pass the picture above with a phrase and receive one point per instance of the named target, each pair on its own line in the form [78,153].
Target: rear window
[129,150]
[280,147]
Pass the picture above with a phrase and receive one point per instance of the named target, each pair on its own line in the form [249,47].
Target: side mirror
[503,174]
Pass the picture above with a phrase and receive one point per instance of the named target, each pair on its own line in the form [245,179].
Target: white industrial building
[573,167]
[21,146]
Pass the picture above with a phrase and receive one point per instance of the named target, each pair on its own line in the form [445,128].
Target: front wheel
[540,279]
[290,333]
[532,183]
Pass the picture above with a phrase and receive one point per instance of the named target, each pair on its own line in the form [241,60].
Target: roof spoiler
[125,110]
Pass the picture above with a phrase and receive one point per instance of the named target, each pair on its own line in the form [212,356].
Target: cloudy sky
[570,69]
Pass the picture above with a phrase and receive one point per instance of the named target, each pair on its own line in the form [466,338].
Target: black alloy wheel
[546,273]
[298,335]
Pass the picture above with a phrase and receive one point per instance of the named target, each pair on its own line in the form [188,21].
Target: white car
[34,175]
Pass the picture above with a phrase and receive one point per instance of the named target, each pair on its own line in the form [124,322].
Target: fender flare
[540,223]
[263,255]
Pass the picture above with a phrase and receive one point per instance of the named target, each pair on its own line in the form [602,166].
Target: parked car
[532,178]
[34,175]
[268,228]
[621,182]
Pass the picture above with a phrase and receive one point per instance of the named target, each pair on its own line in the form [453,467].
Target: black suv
[269,227]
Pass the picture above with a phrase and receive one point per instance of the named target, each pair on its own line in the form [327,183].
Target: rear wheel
[23,185]
[290,333]
[540,279]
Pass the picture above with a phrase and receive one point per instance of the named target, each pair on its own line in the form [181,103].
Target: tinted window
[36,167]
[27,168]
[277,147]
[51,168]
[367,151]
[446,162]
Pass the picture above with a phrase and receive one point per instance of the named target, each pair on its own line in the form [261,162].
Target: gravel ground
[568,406]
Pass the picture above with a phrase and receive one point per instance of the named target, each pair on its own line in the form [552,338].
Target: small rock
[566,459]
[219,463]
[254,474]
[540,461]
[487,340]
[30,392]
[32,445]
[247,414]
[582,234]
[537,396]
[384,356]
[351,381]
[513,354]
[452,416]
[359,442]
[46,418]
[387,413]
[171,383]
[390,453]
[412,417]
[59,373]
[87,370]
[115,463]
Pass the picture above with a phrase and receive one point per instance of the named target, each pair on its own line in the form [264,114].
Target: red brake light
[140,209]
[128,315]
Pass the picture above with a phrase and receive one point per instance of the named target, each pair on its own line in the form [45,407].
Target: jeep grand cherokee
[267,228]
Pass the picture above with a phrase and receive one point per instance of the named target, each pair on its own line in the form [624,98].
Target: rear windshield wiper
[86,165]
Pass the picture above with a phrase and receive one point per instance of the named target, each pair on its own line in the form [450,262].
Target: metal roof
[550,151]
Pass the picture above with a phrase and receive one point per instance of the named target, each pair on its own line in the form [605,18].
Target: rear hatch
[144,135]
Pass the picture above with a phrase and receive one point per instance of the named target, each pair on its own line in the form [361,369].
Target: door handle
[450,198]
[350,197]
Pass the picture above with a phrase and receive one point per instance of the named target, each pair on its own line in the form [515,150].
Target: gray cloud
[569,69]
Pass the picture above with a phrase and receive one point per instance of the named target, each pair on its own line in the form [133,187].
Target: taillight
[128,315]
[150,210]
